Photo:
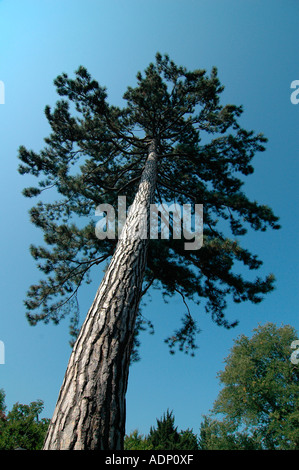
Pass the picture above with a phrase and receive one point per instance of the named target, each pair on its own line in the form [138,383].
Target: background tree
[2,404]
[260,395]
[136,441]
[224,435]
[21,427]
[164,436]
[159,148]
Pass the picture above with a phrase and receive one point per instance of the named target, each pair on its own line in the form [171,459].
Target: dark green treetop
[96,152]
[165,435]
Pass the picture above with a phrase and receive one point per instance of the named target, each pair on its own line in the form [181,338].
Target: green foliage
[260,395]
[136,441]
[21,427]
[223,435]
[164,437]
[96,152]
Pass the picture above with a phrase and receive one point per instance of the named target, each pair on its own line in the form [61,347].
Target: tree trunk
[90,411]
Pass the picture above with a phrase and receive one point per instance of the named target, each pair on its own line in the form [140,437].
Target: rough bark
[90,410]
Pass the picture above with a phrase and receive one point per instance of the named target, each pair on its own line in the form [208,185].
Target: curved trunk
[90,410]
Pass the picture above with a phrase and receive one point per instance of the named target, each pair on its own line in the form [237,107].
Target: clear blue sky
[254,44]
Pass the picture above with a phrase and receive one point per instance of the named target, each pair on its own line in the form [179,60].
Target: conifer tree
[166,436]
[173,141]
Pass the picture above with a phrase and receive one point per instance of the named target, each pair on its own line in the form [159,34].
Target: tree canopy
[21,426]
[97,151]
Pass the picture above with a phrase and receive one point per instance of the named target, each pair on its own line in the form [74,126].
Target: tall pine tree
[174,141]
